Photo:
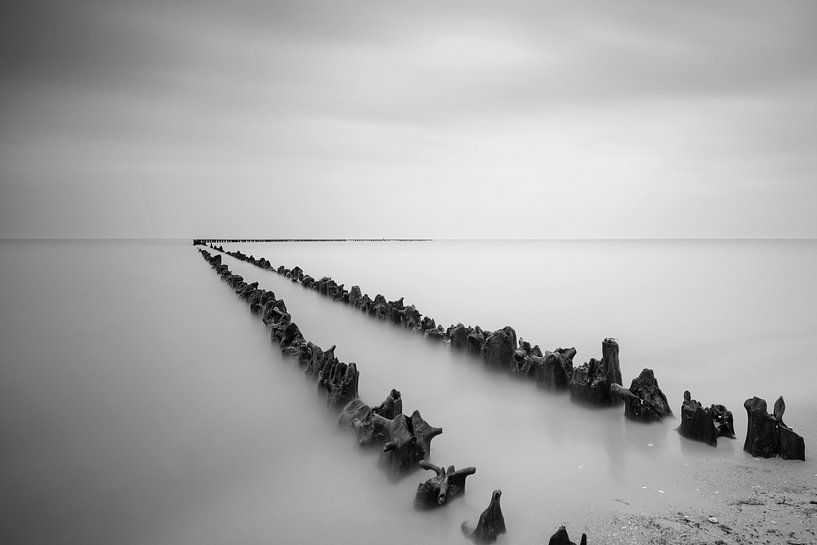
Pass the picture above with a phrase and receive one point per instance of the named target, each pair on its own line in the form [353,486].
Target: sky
[477,119]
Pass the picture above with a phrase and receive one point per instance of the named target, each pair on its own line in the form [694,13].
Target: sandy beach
[728,501]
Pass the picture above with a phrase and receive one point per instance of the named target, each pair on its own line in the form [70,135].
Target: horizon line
[410,239]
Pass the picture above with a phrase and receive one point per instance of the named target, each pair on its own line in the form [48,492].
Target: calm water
[141,402]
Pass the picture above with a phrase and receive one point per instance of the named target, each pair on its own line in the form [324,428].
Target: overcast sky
[408,119]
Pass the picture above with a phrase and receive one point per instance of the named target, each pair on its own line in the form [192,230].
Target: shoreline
[729,501]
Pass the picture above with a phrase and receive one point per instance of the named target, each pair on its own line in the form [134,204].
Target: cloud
[569,106]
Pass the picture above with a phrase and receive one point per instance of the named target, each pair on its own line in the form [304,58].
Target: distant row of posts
[205,241]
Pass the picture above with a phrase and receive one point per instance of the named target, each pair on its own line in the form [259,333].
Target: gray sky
[424,118]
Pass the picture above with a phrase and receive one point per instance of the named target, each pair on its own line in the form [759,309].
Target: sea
[142,403]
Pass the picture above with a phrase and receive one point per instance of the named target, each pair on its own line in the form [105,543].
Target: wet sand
[731,501]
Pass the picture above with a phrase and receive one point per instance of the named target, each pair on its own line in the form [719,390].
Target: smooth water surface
[141,402]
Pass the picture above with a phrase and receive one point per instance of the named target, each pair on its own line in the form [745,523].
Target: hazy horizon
[417,239]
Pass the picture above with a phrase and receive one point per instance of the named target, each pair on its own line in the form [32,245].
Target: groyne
[597,382]
[405,439]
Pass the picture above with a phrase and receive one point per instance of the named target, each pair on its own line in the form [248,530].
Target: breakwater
[597,382]
[500,349]
[210,241]
[405,440]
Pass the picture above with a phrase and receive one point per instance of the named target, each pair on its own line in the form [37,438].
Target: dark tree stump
[427,323]
[561,538]
[591,381]
[354,410]
[268,296]
[319,359]
[767,435]
[475,339]
[649,403]
[291,336]
[238,288]
[555,369]
[342,385]
[761,435]
[792,446]
[410,317]
[696,422]
[424,432]
[273,310]
[354,295]
[248,290]
[358,415]
[447,484]
[380,307]
[401,451]
[524,365]
[459,336]
[724,423]
[391,406]
[499,347]
[705,424]
[254,300]
[278,320]
[491,522]
[234,280]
